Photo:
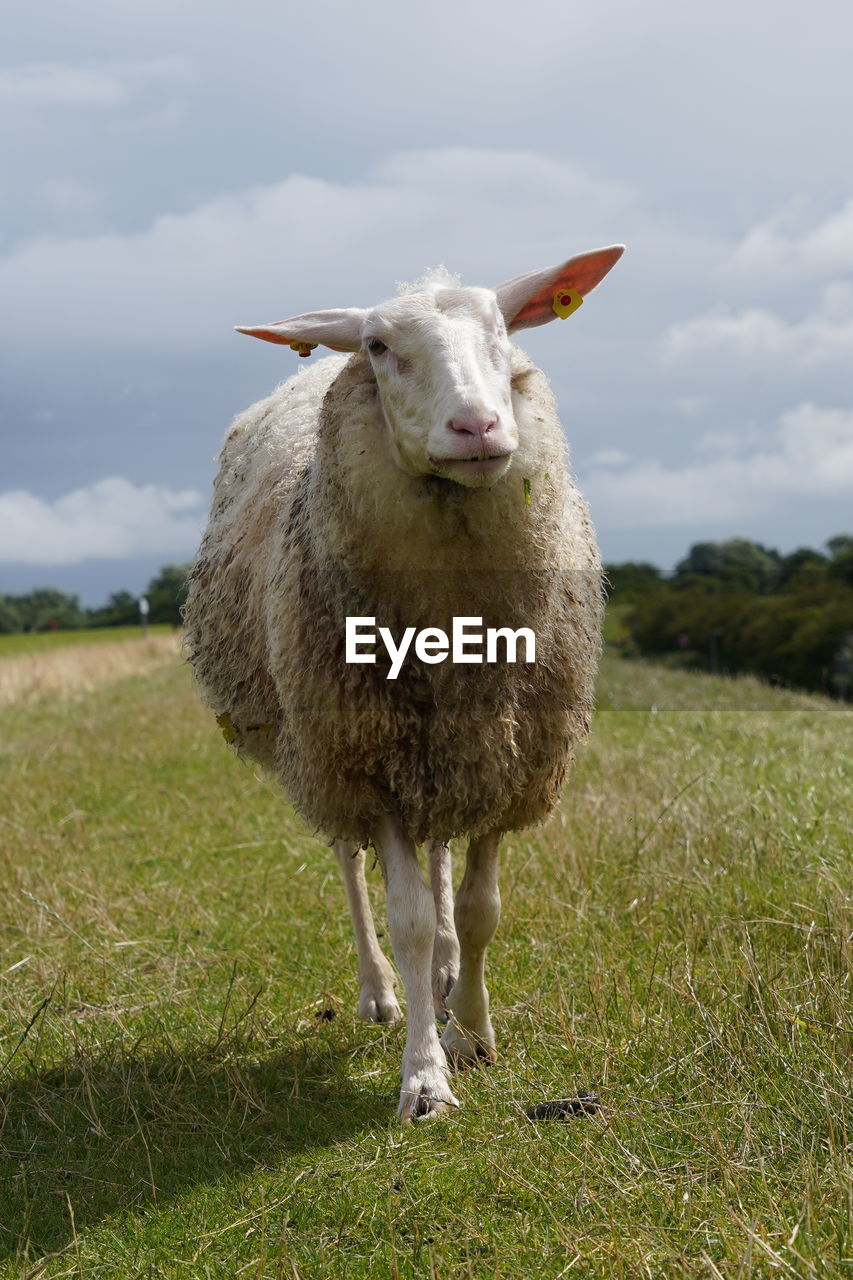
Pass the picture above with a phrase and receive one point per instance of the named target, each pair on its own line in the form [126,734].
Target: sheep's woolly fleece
[312,521]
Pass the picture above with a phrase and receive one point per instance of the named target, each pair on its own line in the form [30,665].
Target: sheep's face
[441,359]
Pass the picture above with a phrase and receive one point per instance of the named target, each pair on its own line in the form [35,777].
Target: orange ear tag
[566,302]
[304,348]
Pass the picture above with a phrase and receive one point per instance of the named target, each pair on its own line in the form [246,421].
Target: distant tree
[800,567]
[10,616]
[121,610]
[841,552]
[735,563]
[718,613]
[841,568]
[48,609]
[840,544]
[632,578]
[166,593]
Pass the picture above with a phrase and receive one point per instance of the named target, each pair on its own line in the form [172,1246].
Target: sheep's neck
[436,554]
[375,517]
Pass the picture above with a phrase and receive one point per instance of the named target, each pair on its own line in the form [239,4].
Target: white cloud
[610,458]
[810,455]
[303,243]
[778,248]
[761,338]
[107,84]
[791,302]
[109,520]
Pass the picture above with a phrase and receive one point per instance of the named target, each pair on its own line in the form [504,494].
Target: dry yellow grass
[77,669]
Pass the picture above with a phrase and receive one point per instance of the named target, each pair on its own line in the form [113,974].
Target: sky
[170,170]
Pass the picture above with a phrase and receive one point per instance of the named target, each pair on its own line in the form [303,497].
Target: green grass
[43,641]
[678,939]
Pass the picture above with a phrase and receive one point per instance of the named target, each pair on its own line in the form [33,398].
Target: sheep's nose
[477,425]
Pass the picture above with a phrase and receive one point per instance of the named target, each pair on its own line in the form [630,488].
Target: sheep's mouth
[474,469]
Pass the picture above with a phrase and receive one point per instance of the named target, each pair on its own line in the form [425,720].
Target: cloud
[810,455]
[302,243]
[791,311]
[109,520]
[143,304]
[610,458]
[107,84]
[761,338]
[777,248]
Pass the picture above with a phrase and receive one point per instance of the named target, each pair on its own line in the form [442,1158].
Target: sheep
[417,478]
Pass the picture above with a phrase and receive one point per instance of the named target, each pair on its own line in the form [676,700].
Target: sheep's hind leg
[376,999]
[411,921]
[445,949]
[468,1036]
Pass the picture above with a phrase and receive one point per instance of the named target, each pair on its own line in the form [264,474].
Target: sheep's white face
[441,359]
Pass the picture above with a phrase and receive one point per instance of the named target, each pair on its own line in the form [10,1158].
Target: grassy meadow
[186,1092]
[42,642]
[58,664]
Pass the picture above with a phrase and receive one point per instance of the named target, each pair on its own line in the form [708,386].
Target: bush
[738,607]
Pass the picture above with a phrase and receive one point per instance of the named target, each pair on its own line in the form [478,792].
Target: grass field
[177,1102]
[32,672]
[47,641]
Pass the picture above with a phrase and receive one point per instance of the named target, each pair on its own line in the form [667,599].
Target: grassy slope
[678,939]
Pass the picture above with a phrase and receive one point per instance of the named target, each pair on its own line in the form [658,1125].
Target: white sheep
[419,480]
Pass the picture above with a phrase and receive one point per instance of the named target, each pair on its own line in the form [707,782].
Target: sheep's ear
[340,330]
[535,298]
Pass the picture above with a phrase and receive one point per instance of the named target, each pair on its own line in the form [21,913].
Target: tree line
[738,606]
[48,609]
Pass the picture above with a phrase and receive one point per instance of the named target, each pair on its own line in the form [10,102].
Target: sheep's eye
[376,346]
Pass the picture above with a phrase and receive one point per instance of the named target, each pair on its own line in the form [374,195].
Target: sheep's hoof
[379,1005]
[424,1099]
[467,1049]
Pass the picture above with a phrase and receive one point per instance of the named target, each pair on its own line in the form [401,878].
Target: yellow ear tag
[566,302]
[304,348]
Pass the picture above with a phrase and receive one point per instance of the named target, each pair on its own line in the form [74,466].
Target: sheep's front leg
[411,922]
[468,1037]
[445,949]
[376,1000]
